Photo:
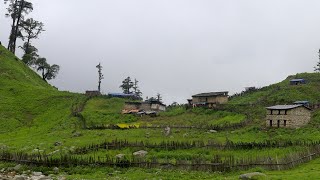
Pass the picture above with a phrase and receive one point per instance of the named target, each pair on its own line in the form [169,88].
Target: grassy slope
[283,93]
[34,115]
[30,109]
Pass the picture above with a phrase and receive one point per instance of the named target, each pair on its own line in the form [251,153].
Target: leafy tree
[136,89]
[100,75]
[30,54]
[17,9]
[48,71]
[317,67]
[126,86]
[32,29]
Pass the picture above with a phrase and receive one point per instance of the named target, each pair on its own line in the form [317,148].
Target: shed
[297,81]
[289,116]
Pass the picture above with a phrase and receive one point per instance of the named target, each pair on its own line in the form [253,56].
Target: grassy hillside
[34,116]
[283,92]
[29,106]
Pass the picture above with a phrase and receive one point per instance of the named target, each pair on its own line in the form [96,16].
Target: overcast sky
[176,47]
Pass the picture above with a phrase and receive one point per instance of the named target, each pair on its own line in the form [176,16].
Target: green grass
[34,115]
[283,93]
[104,110]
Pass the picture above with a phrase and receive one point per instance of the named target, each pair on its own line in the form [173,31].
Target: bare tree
[317,67]
[136,89]
[100,76]
[159,97]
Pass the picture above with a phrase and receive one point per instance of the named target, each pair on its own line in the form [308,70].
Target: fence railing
[216,164]
[175,145]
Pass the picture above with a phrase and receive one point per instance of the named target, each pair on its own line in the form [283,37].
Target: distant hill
[283,92]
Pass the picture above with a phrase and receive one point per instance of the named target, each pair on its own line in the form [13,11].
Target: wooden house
[288,116]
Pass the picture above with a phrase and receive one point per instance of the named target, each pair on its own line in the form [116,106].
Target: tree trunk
[27,47]
[13,47]
[11,34]
[43,75]
[13,26]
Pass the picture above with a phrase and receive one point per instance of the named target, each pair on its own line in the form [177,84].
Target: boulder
[17,167]
[36,173]
[61,178]
[3,147]
[18,177]
[56,170]
[251,175]
[45,178]
[57,143]
[167,131]
[213,131]
[76,134]
[140,153]
[120,156]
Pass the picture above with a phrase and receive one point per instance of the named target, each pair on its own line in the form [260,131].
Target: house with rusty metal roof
[210,99]
[288,116]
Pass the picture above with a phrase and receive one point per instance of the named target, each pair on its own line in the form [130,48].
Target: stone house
[211,99]
[93,93]
[288,116]
[145,106]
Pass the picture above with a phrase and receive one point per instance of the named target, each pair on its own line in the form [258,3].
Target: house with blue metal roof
[298,81]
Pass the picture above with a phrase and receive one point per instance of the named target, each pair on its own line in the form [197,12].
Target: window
[285,123]
[285,112]
[270,123]
[271,112]
[279,112]
[278,123]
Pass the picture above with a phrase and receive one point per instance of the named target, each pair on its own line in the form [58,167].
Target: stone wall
[130,106]
[93,93]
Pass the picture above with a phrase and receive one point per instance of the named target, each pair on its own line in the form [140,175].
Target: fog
[175,47]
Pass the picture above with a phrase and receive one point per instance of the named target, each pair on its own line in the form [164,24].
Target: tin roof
[297,80]
[224,93]
[301,102]
[286,107]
